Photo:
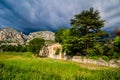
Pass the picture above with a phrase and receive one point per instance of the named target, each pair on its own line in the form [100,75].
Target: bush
[18,48]
[115,55]
[57,51]
[117,41]
[106,58]
[36,45]
[90,52]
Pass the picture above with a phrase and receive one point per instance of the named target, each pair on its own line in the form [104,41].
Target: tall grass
[23,67]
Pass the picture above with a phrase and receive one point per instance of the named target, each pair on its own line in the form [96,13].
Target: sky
[50,15]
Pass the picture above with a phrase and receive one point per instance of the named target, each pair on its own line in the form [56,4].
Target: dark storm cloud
[34,15]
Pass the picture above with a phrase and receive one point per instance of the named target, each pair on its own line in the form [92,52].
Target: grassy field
[21,66]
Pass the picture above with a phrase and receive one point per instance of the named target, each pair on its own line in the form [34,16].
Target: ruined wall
[50,50]
[100,61]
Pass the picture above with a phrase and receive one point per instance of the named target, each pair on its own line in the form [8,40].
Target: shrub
[90,52]
[35,45]
[117,41]
[106,58]
[18,48]
[57,51]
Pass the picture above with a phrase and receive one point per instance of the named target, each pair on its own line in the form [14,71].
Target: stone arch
[44,52]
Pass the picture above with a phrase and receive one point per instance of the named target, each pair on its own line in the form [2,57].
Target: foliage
[85,31]
[35,45]
[18,67]
[90,52]
[59,34]
[17,48]
[86,38]
[73,45]
[106,58]
[117,41]
[57,51]
[87,21]
[116,48]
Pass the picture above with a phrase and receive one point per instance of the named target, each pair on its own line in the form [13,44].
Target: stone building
[50,51]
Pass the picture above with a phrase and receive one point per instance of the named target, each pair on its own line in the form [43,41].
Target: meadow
[21,66]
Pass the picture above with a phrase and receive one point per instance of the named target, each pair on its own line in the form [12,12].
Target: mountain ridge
[10,35]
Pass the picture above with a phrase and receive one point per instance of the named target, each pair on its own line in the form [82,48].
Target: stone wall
[53,47]
[100,61]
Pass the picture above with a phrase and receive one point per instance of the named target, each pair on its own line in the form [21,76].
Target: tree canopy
[87,21]
[86,38]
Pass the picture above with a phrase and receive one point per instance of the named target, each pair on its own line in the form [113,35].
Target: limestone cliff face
[47,35]
[11,36]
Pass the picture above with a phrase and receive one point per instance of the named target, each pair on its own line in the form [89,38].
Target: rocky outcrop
[47,35]
[10,36]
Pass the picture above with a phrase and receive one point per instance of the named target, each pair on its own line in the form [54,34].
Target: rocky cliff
[11,36]
[46,35]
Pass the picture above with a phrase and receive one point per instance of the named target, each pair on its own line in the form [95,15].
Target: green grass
[21,66]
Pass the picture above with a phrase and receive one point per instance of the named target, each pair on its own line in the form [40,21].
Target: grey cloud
[32,15]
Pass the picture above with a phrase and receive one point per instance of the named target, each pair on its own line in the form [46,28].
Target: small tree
[35,45]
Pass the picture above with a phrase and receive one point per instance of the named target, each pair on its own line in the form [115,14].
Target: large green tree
[87,21]
[85,30]
[35,45]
